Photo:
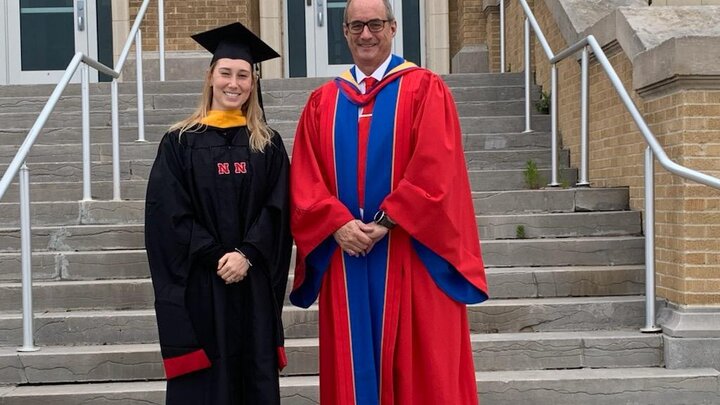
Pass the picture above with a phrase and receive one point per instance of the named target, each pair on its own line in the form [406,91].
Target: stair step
[513,159]
[99,152]
[67,192]
[501,124]
[77,238]
[99,287]
[569,281]
[557,199]
[506,141]
[559,225]
[596,251]
[547,387]
[86,265]
[514,179]
[497,352]
[494,316]
[656,386]
[75,212]
[124,236]
[269,85]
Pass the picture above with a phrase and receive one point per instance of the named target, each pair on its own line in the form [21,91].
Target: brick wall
[467,24]
[685,122]
[184,18]
[492,37]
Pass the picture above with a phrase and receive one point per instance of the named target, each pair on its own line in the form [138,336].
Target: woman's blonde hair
[260,133]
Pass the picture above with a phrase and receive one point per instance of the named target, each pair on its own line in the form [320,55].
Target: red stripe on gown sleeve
[282,358]
[187,363]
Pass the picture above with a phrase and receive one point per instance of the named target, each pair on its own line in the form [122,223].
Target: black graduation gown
[209,194]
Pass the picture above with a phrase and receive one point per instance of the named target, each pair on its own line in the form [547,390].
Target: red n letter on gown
[223,168]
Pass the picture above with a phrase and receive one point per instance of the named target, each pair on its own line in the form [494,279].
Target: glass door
[44,35]
[327,51]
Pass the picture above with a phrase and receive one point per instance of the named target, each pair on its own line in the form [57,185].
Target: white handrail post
[115,140]
[26,257]
[554,126]
[86,155]
[502,36]
[139,82]
[584,118]
[161,37]
[650,326]
[528,112]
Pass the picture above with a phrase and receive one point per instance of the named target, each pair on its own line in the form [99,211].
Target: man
[384,225]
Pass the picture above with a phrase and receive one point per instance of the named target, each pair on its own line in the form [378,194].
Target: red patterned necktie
[363,134]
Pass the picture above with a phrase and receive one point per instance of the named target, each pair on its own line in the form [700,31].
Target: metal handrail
[653,151]
[18,163]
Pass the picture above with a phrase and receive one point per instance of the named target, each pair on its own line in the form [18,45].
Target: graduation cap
[235,41]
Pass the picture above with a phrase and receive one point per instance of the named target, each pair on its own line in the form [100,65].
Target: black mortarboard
[235,41]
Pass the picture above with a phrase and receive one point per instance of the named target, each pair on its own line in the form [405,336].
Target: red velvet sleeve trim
[282,358]
[187,363]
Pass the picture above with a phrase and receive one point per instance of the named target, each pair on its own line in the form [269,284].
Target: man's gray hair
[388,11]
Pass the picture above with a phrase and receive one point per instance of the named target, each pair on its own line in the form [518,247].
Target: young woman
[217,236]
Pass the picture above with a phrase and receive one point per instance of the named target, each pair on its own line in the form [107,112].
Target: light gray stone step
[99,152]
[557,282]
[642,386]
[501,124]
[513,179]
[485,108]
[513,159]
[75,213]
[103,134]
[77,237]
[477,156]
[485,202]
[107,290]
[559,225]
[135,169]
[595,251]
[138,169]
[68,118]
[65,119]
[492,352]
[646,386]
[566,281]
[73,191]
[80,295]
[509,140]
[551,200]
[87,265]
[519,315]
[73,134]
[93,327]
[268,85]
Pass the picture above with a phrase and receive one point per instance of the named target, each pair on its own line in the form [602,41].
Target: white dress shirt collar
[378,73]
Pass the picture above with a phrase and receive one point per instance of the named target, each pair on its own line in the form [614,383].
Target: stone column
[491,10]
[437,36]
[271,31]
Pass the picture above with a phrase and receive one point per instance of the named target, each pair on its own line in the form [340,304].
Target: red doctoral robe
[393,324]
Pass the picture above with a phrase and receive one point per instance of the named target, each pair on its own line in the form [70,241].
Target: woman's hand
[233,267]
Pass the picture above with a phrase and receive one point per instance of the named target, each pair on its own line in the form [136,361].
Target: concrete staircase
[565,265]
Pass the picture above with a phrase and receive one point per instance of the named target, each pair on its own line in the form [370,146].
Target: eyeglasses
[356,27]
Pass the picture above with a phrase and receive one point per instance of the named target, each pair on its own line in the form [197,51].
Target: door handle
[81,15]
[320,16]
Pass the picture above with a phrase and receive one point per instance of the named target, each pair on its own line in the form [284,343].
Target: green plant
[520,232]
[531,174]
[543,103]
